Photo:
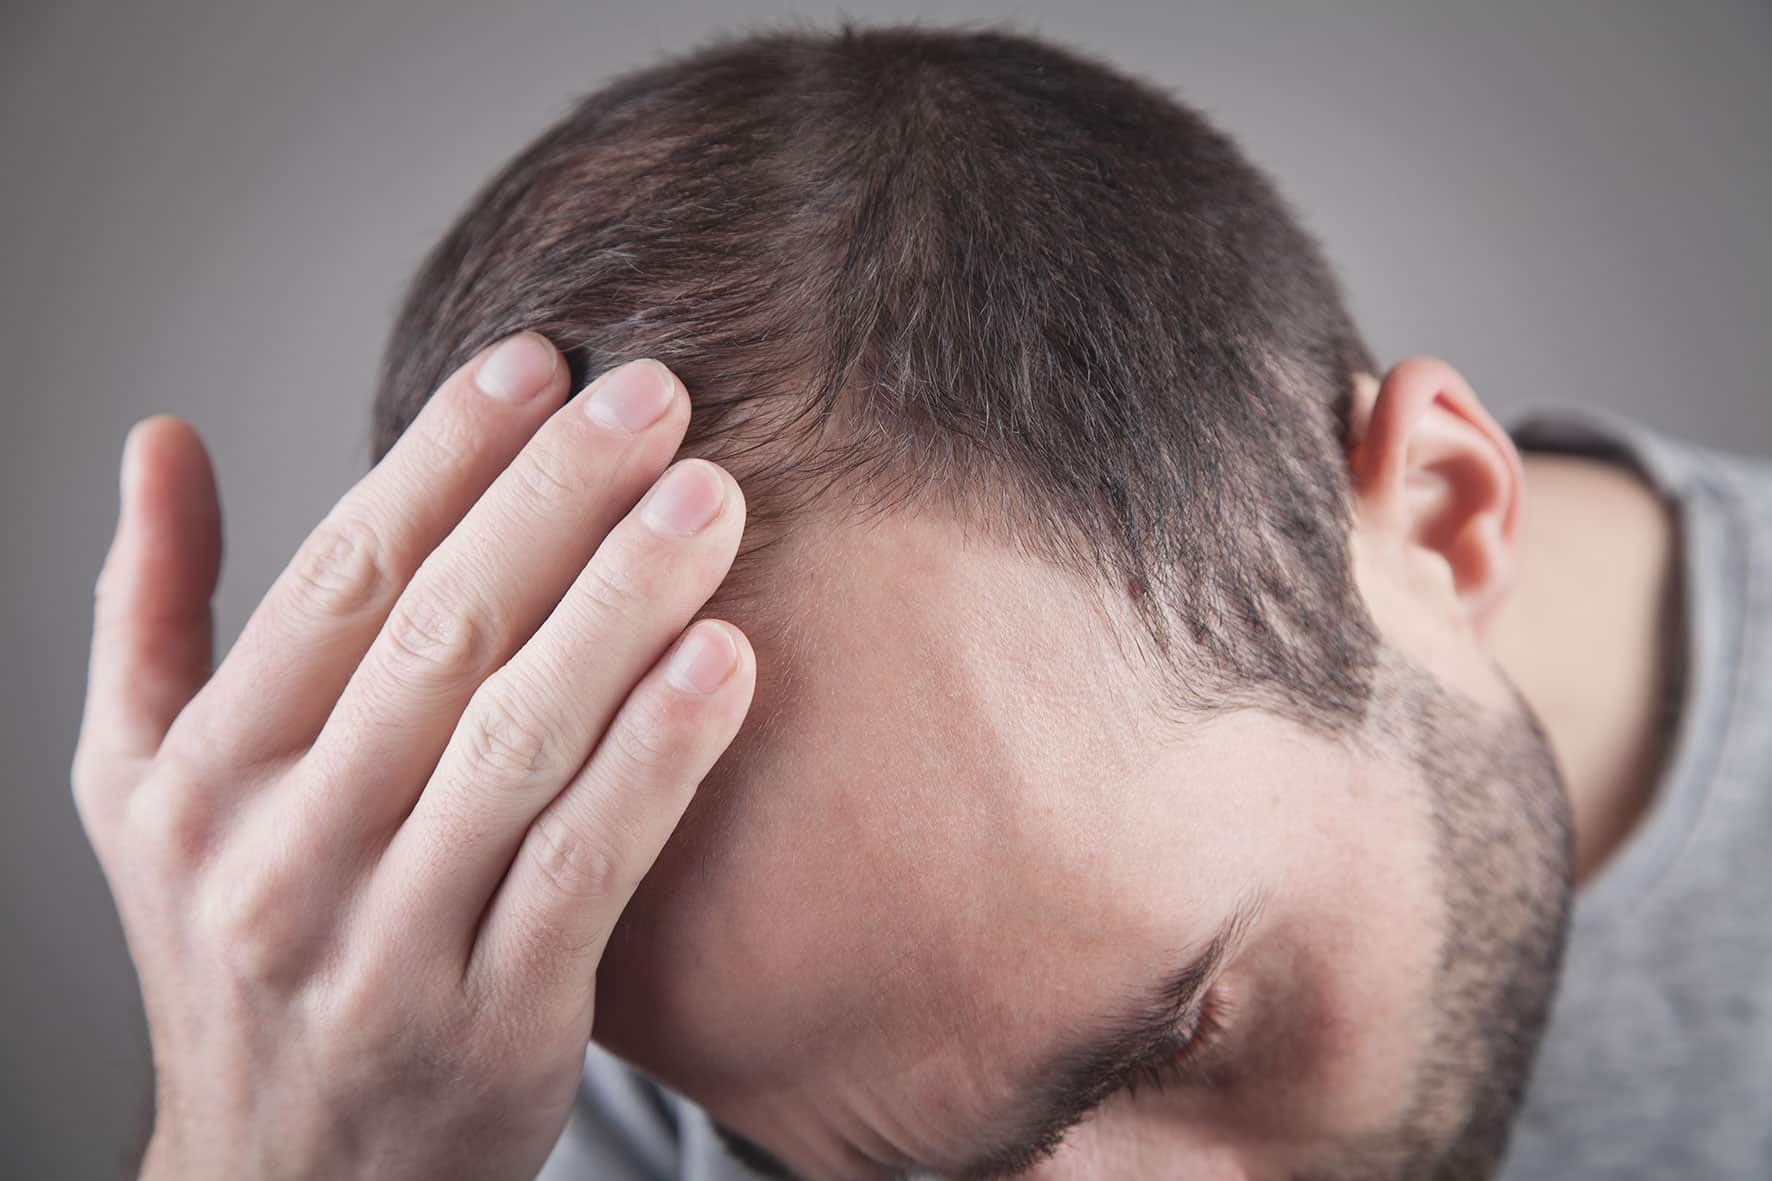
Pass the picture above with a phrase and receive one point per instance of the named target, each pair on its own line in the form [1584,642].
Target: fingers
[531,725]
[487,587]
[152,632]
[582,858]
[321,614]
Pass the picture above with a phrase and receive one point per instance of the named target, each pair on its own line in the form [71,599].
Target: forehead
[909,667]
[917,681]
[935,844]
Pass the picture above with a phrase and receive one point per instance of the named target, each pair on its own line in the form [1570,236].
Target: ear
[1434,473]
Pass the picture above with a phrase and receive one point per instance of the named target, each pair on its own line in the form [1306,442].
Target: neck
[1588,634]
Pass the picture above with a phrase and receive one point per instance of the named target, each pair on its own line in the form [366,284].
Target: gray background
[211,210]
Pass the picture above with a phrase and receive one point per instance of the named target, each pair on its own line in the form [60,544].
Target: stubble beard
[1504,857]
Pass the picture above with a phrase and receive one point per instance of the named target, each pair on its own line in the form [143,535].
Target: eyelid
[1210,974]
[1189,1061]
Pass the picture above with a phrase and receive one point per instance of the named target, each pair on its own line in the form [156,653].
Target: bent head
[1128,789]
[965,885]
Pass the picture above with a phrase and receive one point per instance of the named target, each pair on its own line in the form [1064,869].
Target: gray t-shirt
[1658,1060]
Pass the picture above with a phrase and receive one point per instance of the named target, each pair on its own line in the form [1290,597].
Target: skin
[367,868]
[1589,636]
[957,828]
[962,831]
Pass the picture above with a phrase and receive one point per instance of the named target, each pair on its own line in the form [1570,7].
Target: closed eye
[1184,1060]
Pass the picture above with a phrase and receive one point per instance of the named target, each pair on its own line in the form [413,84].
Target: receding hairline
[1037,287]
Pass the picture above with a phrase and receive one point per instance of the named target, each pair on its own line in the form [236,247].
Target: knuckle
[251,928]
[257,958]
[89,783]
[608,585]
[84,773]
[84,786]
[653,735]
[372,997]
[637,571]
[169,821]
[342,568]
[641,747]
[502,739]
[548,477]
[456,430]
[422,633]
[577,863]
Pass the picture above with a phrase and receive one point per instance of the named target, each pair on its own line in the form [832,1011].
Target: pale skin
[368,868]
[967,837]
[1606,595]
[1585,629]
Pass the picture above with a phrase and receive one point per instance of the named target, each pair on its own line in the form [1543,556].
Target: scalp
[965,271]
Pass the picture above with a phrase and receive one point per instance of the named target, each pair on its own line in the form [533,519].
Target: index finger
[321,614]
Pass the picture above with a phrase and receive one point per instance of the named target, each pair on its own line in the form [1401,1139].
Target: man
[1171,748]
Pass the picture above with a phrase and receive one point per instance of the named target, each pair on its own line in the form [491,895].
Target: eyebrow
[1081,1077]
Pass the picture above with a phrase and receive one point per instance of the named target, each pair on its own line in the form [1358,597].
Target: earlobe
[1433,471]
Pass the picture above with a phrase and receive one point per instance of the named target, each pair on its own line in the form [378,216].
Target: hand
[367,868]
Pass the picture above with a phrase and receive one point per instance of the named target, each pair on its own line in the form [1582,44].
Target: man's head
[1127,790]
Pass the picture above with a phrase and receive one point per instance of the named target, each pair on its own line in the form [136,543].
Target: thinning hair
[956,269]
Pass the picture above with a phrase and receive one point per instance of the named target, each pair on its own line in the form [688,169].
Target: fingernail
[630,397]
[685,499]
[518,369]
[704,659]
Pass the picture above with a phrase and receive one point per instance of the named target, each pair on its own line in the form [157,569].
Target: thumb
[153,645]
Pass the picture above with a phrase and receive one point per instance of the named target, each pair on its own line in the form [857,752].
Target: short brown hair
[958,267]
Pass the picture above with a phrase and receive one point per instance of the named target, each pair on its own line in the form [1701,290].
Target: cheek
[1341,996]
[1336,1008]
[1128,1139]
